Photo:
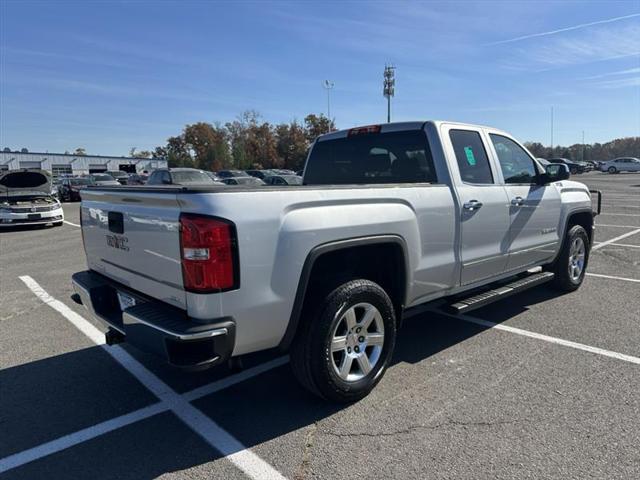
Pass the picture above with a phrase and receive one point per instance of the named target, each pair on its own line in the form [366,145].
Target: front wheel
[612,170]
[573,170]
[343,351]
[571,265]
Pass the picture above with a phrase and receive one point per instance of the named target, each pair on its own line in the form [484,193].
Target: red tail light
[209,254]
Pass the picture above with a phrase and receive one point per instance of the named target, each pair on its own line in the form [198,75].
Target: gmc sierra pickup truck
[389,217]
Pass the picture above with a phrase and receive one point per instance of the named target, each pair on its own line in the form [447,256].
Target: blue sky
[112,75]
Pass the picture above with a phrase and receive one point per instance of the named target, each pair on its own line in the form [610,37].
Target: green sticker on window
[471,160]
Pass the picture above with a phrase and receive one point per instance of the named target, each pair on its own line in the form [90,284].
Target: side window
[516,165]
[165,178]
[473,162]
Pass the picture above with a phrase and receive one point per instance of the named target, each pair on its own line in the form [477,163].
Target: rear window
[186,177]
[394,157]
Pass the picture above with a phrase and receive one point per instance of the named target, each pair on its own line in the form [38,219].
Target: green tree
[209,145]
[317,125]
[292,144]
[80,151]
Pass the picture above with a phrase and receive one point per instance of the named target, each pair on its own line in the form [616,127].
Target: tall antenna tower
[389,87]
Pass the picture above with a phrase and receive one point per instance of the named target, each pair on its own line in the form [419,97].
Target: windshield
[103,178]
[190,176]
[293,179]
[249,181]
[81,181]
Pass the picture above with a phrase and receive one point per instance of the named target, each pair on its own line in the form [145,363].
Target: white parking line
[620,245]
[635,280]
[615,226]
[622,214]
[545,338]
[615,239]
[211,432]
[62,443]
[107,426]
[72,224]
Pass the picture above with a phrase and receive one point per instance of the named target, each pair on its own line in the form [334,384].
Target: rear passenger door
[483,204]
[534,208]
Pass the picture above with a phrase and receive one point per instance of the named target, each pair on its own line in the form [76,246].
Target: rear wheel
[342,352]
[571,264]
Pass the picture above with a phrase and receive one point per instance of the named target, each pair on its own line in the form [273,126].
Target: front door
[534,208]
[484,209]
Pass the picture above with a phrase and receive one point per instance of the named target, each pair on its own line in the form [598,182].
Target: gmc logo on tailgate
[120,243]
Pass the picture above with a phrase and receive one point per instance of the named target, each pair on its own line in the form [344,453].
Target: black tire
[311,356]
[563,280]
[612,170]
[573,171]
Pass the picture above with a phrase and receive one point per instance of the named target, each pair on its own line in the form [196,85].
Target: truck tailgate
[133,237]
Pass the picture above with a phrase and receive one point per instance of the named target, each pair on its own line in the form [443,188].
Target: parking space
[531,398]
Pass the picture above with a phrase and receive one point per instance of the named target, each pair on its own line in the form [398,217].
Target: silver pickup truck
[389,217]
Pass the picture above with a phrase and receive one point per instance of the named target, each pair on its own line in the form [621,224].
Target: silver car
[623,164]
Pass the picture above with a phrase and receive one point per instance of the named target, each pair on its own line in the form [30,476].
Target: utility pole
[328,85]
[583,145]
[389,87]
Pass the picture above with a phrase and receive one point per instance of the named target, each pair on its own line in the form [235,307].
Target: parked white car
[623,164]
[26,199]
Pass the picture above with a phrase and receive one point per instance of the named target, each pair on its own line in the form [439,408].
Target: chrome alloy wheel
[576,258]
[357,342]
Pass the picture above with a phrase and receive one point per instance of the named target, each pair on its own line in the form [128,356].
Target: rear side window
[471,156]
[371,158]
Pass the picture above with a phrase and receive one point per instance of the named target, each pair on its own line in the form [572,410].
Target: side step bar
[504,291]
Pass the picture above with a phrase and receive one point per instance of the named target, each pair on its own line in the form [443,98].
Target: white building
[62,163]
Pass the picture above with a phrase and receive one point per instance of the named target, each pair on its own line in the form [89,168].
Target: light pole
[583,145]
[551,131]
[328,85]
[389,87]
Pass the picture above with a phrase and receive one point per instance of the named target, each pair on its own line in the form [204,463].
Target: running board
[504,291]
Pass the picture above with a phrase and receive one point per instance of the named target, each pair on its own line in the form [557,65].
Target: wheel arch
[582,217]
[328,253]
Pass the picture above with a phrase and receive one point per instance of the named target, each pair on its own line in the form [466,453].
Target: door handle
[517,202]
[472,205]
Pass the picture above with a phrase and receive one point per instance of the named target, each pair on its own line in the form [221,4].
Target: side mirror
[556,172]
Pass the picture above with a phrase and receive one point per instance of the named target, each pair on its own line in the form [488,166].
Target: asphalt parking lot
[537,386]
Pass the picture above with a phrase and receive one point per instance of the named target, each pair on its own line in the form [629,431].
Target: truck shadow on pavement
[46,399]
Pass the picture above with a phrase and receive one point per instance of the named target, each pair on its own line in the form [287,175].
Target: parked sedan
[104,180]
[261,174]
[180,176]
[25,199]
[283,180]
[137,179]
[69,188]
[623,164]
[246,181]
[574,167]
[232,173]
[118,175]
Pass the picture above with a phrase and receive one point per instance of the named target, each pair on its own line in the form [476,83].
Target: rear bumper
[156,327]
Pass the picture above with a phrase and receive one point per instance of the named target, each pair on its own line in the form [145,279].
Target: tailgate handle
[116,222]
